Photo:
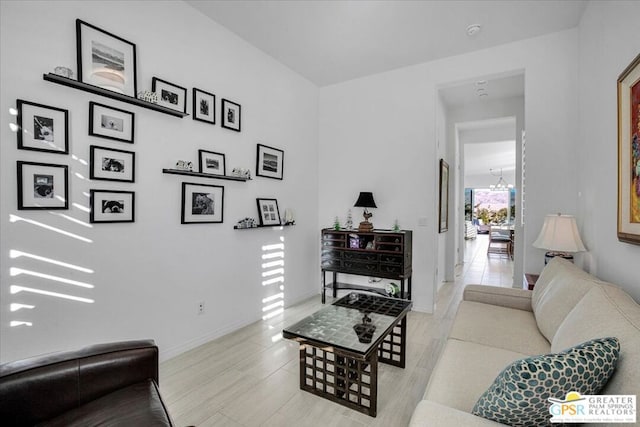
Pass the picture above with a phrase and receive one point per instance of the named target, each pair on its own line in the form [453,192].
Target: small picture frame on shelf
[42,128]
[112,206]
[109,164]
[170,95]
[231,115]
[269,162]
[111,123]
[42,186]
[212,163]
[105,60]
[268,211]
[204,106]
[202,204]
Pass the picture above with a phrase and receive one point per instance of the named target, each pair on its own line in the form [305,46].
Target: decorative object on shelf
[268,211]
[392,289]
[231,115]
[365,200]
[396,226]
[148,96]
[109,164]
[63,71]
[336,224]
[204,106]
[111,123]
[211,162]
[443,217]
[501,185]
[348,225]
[560,237]
[105,60]
[241,173]
[112,206]
[288,217]
[629,153]
[170,95]
[246,223]
[42,186]
[42,128]
[184,165]
[269,162]
[202,203]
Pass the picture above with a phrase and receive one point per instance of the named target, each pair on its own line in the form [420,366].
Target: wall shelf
[235,227]
[203,175]
[54,78]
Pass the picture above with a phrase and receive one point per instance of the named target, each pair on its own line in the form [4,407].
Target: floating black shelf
[203,175]
[54,78]
[235,227]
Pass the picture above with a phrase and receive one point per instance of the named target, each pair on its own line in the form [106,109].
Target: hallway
[478,268]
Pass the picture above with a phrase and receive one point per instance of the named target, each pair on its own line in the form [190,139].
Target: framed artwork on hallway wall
[112,206]
[42,186]
[42,128]
[443,216]
[629,153]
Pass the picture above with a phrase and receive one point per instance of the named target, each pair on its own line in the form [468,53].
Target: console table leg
[323,281]
[335,283]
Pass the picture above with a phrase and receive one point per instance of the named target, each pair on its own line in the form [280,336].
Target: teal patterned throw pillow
[519,395]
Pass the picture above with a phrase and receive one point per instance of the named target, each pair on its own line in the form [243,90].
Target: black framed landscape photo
[210,162]
[109,164]
[269,162]
[111,123]
[231,115]
[105,60]
[170,95]
[444,197]
[268,211]
[112,206]
[42,128]
[204,106]
[201,203]
[42,186]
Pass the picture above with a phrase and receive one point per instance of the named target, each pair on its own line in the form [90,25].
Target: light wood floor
[250,377]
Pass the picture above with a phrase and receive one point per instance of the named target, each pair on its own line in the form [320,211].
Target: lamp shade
[560,234]
[365,200]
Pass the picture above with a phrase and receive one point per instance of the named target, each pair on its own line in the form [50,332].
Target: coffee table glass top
[356,322]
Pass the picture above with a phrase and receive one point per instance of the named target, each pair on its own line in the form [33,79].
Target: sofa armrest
[505,297]
[433,414]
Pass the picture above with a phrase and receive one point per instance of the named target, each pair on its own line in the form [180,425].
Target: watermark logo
[576,408]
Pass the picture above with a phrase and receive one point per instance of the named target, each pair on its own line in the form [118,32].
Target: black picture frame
[231,115]
[39,186]
[202,204]
[111,123]
[443,214]
[170,95]
[108,206]
[268,212]
[42,127]
[105,60]
[110,164]
[212,163]
[269,162]
[204,106]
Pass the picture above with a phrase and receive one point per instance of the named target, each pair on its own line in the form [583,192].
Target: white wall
[150,275]
[608,43]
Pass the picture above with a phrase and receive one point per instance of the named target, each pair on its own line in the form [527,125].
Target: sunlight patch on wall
[15,306]
[13,271]
[273,274]
[17,254]
[16,218]
[16,289]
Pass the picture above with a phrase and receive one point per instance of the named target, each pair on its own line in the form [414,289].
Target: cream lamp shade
[559,236]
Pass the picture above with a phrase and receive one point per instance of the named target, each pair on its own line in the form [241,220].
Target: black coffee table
[341,344]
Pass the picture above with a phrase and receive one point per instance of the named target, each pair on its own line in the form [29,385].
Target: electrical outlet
[201,307]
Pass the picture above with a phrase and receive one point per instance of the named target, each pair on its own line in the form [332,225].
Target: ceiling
[329,42]
[493,88]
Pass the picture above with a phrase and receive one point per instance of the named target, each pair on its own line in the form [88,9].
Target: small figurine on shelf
[336,224]
[396,226]
[149,96]
[184,165]
[246,223]
[63,71]
[241,173]
[392,290]
[288,217]
[349,224]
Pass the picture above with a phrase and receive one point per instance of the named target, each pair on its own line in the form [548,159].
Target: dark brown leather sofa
[113,384]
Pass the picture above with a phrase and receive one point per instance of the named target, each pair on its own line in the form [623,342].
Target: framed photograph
[109,164]
[105,60]
[204,106]
[42,128]
[444,197]
[268,211]
[231,115]
[202,203]
[269,162]
[170,95]
[111,123]
[42,186]
[112,206]
[211,162]
[629,153]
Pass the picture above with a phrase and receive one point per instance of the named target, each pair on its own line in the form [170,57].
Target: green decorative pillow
[519,396]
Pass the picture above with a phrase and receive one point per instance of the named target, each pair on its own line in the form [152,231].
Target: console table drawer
[359,256]
[392,259]
[363,267]
[395,269]
[330,262]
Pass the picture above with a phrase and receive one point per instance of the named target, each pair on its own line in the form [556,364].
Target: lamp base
[551,255]
[365,226]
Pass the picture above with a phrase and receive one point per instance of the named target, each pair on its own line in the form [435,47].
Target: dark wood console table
[379,253]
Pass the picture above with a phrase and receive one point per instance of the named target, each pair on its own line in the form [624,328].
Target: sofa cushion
[607,311]
[562,286]
[520,394]
[433,414]
[502,327]
[464,371]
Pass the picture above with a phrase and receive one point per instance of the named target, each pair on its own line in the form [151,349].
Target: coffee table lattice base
[392,350]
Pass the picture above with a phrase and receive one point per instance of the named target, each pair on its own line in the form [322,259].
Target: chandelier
[501,185]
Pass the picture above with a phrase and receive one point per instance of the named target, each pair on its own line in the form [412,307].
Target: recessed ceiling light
[473,29]
[481,83]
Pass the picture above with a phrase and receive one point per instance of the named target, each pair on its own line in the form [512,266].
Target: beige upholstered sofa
[496,326]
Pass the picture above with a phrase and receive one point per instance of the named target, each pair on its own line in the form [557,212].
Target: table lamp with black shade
[365,200]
